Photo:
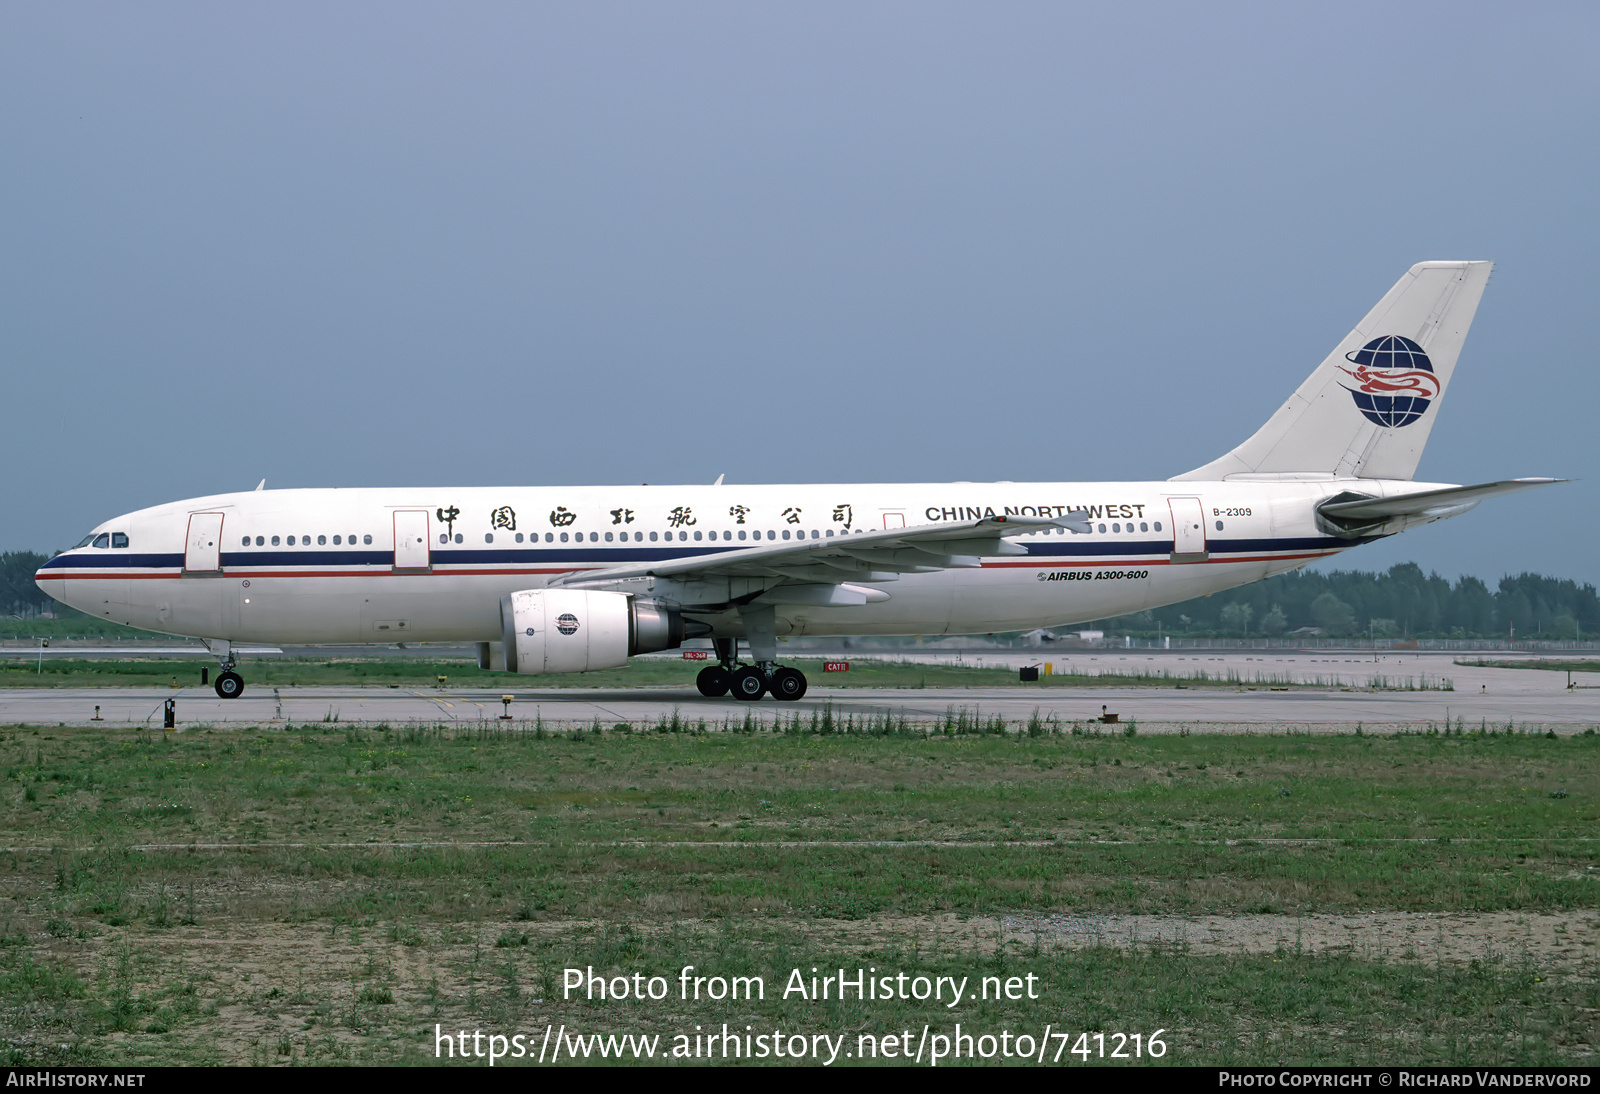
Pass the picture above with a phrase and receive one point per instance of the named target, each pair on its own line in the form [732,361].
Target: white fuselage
[428,564]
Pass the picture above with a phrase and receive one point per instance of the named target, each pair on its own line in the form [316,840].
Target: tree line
[1403,602]
[18,594]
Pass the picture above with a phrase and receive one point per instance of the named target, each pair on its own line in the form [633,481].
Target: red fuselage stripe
[1039,564]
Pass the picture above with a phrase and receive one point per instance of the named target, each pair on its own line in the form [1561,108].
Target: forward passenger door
[202,546]
[411,550]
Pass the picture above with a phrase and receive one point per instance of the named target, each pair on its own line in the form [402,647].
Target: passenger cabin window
[274,541]
[321,540]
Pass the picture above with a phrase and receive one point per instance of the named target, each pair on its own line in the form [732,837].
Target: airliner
[574,579]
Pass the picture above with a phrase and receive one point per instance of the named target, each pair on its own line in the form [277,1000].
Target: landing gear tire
[787,684]
[712,681]
[748,684]
[229,685]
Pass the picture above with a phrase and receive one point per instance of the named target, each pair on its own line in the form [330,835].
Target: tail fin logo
[1395,381]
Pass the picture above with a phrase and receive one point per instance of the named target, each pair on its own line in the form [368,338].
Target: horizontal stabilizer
[1426,502]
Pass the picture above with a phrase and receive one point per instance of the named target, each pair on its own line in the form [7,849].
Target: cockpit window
[103,540]
[84,542]
[119,539]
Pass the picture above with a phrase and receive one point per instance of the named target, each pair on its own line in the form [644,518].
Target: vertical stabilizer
[1368,409]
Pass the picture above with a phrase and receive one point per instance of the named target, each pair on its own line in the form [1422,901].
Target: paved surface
[1526,697]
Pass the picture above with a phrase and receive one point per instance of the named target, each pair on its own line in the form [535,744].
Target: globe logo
[1395,381]
[567,623]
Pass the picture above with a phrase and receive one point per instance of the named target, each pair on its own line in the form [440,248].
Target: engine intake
[576,630]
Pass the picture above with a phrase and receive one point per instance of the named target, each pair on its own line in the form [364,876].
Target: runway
[1526,698]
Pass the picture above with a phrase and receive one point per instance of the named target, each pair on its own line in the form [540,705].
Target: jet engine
[576,630]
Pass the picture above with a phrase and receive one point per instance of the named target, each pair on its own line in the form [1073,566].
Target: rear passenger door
[1188,530]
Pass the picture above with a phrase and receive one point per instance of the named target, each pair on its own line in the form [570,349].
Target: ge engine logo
[567,623]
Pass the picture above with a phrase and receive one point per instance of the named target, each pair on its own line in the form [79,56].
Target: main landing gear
[748,682]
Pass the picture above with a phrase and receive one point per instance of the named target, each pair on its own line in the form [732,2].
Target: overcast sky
[340,244]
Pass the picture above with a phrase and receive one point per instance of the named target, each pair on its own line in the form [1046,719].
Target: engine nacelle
[575,630]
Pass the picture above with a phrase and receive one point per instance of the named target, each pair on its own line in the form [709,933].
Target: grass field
[328,894]
[1531,663]
[69,624]
[638,672]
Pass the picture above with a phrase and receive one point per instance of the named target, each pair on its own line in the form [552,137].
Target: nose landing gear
[229,685]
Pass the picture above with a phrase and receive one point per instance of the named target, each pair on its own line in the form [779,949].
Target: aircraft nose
[50,582]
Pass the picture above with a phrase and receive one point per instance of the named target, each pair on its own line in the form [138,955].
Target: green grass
[638,672]
[69,623]
[1558,666]
[313,893]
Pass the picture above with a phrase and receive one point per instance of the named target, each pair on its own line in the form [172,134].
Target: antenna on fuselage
[720,478]
[260,486]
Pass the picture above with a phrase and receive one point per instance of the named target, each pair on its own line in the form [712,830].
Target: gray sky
[342,244]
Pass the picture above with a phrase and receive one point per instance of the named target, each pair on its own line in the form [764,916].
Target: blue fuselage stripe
[597,555]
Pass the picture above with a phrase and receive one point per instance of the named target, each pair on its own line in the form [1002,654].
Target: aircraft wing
[1426,503]
[852,556]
